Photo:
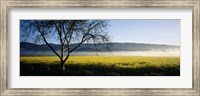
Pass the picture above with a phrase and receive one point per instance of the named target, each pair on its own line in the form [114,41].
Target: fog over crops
[113,53]
[117,49]
[131,53]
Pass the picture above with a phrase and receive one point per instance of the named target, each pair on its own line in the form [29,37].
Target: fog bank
[114,53]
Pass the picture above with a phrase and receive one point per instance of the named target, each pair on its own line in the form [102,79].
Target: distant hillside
[29,48]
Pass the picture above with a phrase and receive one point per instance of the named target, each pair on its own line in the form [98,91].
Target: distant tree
[65,33]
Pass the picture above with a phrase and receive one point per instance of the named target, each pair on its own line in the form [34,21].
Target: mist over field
[130,53]
[112,53]
[117,49]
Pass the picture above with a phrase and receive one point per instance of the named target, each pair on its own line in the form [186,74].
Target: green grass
[100,66]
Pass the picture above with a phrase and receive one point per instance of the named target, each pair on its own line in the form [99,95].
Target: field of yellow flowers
[101,66]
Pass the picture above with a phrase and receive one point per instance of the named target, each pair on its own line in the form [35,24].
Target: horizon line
[110,42]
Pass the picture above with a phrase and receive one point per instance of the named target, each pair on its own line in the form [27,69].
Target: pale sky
[146,31]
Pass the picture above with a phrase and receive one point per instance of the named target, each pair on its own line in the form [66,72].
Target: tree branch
[45,39]
[59,33]
[69,30]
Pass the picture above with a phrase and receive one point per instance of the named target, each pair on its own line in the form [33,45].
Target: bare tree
[66,33]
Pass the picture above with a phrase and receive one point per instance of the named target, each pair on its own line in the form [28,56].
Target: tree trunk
[63,67]
[62,62]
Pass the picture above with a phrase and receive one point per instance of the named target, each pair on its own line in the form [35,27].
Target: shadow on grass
[96,70]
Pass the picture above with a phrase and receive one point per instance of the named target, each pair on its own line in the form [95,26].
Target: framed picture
[104,47]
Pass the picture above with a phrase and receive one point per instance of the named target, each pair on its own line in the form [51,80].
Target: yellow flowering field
[119,61]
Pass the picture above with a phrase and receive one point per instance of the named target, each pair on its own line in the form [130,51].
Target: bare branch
[39,30]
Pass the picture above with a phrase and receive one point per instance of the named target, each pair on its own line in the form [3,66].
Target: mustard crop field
[100,66]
